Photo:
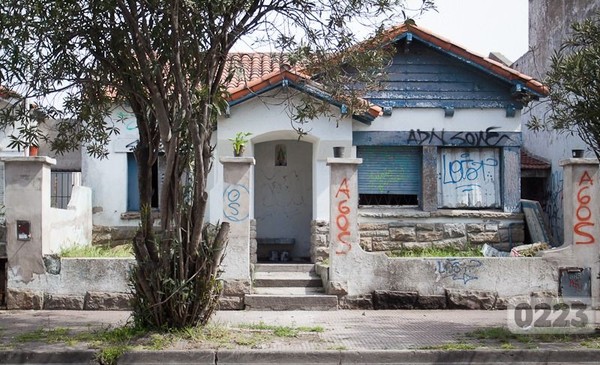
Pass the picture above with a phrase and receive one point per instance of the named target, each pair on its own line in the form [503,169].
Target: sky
[482,26]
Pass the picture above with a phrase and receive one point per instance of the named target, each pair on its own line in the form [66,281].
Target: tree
[574,84]
[166,60]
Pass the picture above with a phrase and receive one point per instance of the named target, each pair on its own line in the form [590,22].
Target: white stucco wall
[72,226]
[268,119]
[428,119]
[108,177]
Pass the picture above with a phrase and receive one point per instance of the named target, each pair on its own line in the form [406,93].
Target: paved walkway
[346,333]
[350,329]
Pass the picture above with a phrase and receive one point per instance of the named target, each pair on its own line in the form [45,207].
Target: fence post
[27,200]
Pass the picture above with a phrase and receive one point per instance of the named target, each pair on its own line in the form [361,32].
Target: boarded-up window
[469,178]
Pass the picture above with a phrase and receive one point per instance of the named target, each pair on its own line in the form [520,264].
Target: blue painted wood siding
[427,78]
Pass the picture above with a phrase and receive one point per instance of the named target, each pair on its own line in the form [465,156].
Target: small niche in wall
[280,155]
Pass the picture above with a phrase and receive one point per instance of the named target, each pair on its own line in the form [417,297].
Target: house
[440,148]
[551,146]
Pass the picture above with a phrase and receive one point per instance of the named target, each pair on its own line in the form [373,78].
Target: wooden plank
[536,224]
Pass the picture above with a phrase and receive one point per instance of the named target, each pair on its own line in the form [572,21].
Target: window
[389,175]
[61,187]
[469,178]
[133,194]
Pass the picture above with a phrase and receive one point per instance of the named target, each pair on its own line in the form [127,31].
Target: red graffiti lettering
[586,178]
[583,213]
[574,284]
[341,221]
[343,189]
[578,229]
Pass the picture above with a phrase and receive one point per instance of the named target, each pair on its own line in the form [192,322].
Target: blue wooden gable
[421,76]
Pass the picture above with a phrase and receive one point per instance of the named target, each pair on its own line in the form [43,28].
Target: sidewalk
[349,336]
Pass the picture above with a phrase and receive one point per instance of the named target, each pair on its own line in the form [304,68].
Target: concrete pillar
[344,248]
[581,209]
[236,211]
[511,183]
[27,201]
[429,198]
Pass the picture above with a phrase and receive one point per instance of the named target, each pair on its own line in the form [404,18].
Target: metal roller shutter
[389,170]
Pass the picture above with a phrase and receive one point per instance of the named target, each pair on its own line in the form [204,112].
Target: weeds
[508,338]
[460,346]
[471,251]
[282,331]
[97,251]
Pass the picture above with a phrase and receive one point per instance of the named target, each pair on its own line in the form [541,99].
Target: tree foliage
[574,83]
[165,59]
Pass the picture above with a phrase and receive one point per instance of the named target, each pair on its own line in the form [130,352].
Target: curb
[334,357]
[48,357]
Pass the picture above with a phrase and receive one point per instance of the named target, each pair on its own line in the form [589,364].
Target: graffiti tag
[458,269]
[342,221]
[232,209]
[583,213]
[466,170]
[489,138]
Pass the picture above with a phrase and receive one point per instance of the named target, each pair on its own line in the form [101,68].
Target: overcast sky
[482,26]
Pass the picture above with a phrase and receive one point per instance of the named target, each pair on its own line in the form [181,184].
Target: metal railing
[62,183]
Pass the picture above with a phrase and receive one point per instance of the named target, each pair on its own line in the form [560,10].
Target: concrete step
[290,267]
[289,290]
[290,302]
[286,279]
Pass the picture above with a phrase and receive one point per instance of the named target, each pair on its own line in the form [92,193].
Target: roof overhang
[302,83]
[522,85]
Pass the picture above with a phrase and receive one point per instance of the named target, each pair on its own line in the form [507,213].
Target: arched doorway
[283,200]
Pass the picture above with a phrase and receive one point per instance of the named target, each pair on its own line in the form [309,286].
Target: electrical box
[23,230]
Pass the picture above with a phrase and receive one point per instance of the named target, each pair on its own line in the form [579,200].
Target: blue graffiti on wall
[467,171]
[553,205]
[458,269]
[231,203]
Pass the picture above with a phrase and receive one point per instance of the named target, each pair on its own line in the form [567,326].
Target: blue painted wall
[426,78]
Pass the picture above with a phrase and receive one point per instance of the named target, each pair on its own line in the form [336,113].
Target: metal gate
[62,187]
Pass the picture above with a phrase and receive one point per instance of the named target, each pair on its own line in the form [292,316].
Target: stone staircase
[288,287]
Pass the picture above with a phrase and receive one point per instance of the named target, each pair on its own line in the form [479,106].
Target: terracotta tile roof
[530,161]
[446,45]
[248,67]
[7,93]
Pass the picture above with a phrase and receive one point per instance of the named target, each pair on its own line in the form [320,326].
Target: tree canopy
[574,83]
[75,59]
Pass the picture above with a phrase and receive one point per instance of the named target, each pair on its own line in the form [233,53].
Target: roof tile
[530,161]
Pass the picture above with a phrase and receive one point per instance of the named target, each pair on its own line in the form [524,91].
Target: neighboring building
[8,98]
[66,172]
[440,148]
[549,25]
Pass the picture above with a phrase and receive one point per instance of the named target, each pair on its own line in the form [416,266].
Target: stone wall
[319,238]
[253,242]
[396,229]
[389,230]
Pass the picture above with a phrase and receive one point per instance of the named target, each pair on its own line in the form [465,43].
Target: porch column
[429,184]
[27,201]
[344,248]
[581,209]
[236,211]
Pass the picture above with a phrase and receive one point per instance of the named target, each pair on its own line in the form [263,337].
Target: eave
[300,82]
